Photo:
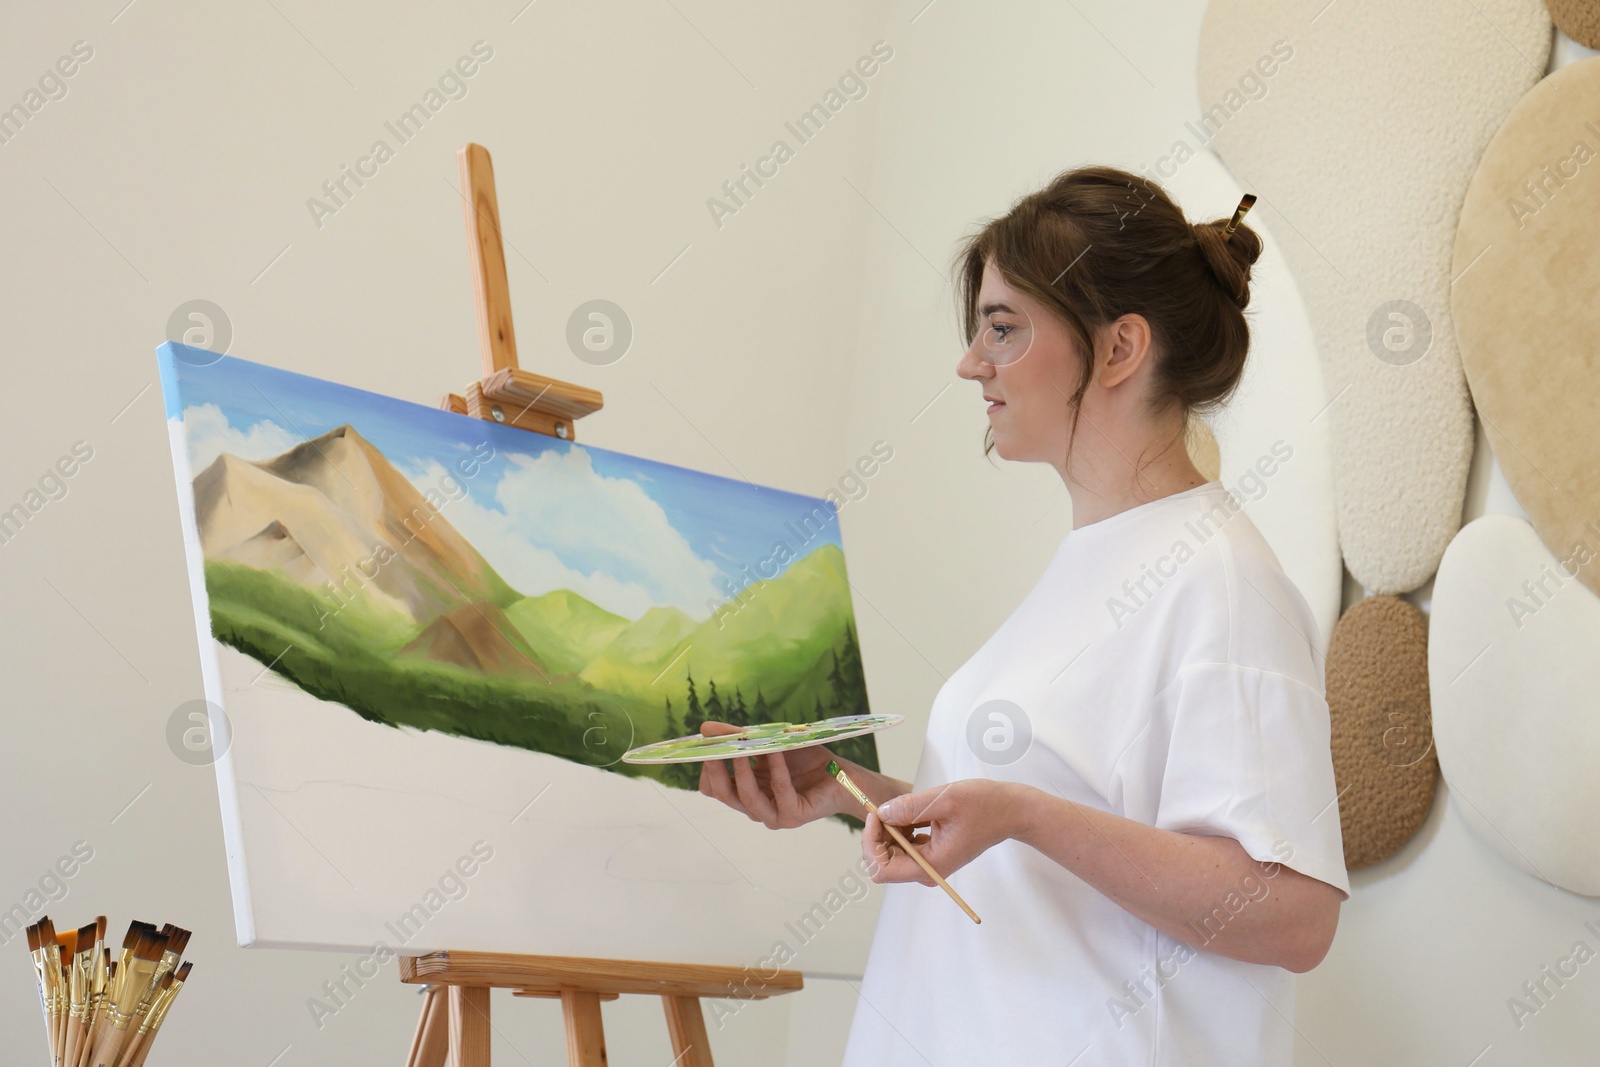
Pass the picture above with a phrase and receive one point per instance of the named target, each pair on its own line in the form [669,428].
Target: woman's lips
[996,406]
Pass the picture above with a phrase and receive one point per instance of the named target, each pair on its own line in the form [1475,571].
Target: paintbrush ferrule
[844,780]
[158,1009]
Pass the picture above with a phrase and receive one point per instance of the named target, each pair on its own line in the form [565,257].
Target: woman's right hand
[784,790]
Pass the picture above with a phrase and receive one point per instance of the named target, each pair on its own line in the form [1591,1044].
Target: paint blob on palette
[759,740]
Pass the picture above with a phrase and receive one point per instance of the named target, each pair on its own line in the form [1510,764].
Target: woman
[1131,780]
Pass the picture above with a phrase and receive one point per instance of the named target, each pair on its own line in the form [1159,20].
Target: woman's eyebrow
[989,309]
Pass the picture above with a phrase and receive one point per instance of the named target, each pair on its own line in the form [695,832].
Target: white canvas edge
[211,676]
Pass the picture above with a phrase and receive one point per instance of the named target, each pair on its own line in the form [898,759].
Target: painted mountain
[339,568]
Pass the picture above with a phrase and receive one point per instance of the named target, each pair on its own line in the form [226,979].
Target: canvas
[427,640]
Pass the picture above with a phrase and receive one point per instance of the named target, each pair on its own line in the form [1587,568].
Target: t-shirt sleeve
[1249,758]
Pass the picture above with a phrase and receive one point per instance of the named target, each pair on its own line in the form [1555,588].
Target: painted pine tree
[693,716]
[714,709]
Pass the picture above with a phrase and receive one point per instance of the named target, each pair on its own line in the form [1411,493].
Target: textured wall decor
[1202,448]
[1527,306]
[1578,19]
[1303,102]
[1513,674]
[1272,450]
[1382,737]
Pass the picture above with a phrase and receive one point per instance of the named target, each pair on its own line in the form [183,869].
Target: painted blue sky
[625,532]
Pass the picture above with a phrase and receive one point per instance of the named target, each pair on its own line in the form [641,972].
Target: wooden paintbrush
[78,989]
[172,985]
[133,981]
[97,1033]
[66,948]
[47,989]
[844,780]
[105,973]
[96,990]
[51,947]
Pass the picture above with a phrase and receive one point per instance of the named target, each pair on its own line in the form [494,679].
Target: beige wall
[778,347]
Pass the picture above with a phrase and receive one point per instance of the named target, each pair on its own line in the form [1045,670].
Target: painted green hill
[567,630]
[774,635]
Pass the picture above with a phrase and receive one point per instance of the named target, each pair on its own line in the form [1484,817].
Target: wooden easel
[455,1006]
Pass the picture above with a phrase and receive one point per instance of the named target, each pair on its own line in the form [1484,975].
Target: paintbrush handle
[109,1050]
[911,851]
[49,1022]
[138,1048]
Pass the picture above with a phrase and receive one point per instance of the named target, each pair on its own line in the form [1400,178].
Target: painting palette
[759,739]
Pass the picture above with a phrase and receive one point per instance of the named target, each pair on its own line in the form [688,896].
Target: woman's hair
[1098,243]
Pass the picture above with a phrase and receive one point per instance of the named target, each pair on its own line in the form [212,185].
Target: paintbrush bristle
[178,940]
[131,938]
[47,931]
[33,938]
[86,938]
[183,972]
[68,942]
[150,947]
[100,925]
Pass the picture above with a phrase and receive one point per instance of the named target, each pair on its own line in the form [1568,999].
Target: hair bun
[1229,256]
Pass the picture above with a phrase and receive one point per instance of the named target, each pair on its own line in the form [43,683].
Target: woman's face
[1025,358]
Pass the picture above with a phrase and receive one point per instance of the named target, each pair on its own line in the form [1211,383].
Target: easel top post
[506,393]
[497,339]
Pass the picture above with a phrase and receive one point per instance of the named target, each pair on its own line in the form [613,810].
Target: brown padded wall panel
[1578,19]
[1382,737]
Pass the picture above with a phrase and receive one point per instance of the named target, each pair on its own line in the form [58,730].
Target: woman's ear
[1125,346]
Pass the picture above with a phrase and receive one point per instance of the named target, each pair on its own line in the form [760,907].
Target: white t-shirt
[1165,669]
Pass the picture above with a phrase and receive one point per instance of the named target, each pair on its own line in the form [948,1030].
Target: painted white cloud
[555,523]
[209,434]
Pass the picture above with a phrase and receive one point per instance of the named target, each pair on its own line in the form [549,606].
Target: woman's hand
[964,819]
[786,789]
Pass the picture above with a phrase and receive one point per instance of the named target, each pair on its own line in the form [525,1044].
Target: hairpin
[1245,204]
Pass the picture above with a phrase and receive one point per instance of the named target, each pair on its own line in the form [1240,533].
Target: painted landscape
[433,571]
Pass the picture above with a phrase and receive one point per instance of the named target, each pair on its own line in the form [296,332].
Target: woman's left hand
[963,819]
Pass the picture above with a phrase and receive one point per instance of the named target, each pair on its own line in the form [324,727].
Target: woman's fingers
[714,782]
[756,803]
[886,859]
[783,794]
[877,848]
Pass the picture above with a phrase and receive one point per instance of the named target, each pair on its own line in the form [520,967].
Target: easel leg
[687,1025]
[432,1042]
[469,1026]
[586,1038]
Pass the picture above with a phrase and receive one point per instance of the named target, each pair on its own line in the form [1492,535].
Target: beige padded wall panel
[1527,306]
[1516,715]
[1578,19]
[1272,450]
[1360,144]
[1202,447]
[1382,736]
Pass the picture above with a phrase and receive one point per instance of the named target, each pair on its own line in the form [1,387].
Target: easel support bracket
[505,394]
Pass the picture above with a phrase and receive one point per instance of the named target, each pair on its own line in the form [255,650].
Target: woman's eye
[1001,329]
